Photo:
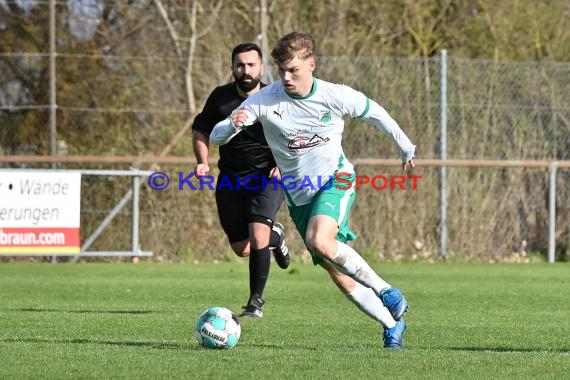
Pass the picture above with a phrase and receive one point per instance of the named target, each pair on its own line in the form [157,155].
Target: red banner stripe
[51,236]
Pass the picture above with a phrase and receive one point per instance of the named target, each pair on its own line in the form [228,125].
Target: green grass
[96,321]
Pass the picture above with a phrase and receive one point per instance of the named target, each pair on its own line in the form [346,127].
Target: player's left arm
[362,107]
[382,120]
[357,105]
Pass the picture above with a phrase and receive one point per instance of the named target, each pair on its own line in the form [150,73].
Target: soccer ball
[218,327]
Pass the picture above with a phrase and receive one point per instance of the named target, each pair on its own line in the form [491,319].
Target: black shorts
[239,206]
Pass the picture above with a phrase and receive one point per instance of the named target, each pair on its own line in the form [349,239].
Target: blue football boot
[393,338]
[394,301]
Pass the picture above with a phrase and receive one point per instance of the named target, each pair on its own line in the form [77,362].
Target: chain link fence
[132,100]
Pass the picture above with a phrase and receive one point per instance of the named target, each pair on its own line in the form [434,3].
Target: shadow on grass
[170,345]
[124,343]
[511,350]
[37,310]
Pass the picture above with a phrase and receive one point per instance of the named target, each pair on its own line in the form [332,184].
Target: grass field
[97,321]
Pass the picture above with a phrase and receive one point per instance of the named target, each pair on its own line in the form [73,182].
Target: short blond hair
[295,44]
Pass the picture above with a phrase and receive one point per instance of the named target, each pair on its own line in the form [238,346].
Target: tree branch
[171,29]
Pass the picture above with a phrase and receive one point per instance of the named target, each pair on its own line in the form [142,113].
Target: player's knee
[321,245]
[258,242]
[241,253]
[241,248]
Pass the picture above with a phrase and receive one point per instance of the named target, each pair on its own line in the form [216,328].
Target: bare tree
[193,10]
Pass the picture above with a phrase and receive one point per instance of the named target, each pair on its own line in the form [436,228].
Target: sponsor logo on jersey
[293,134]
[303,142]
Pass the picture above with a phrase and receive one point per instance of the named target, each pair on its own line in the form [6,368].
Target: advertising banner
[39,212]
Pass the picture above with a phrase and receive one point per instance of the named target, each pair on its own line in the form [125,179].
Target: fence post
[552,168]
[52,83]
[52,89]
[135,223]
[443,155]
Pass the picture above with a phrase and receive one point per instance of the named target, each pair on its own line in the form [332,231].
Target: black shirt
[247,153]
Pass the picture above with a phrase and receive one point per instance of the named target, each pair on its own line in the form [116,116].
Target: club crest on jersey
[326,117]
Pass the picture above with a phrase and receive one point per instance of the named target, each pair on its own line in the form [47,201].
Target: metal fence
[129,102]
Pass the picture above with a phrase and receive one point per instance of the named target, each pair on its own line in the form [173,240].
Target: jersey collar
[313,90]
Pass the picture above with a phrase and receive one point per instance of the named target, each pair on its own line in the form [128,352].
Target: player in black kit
[247,216]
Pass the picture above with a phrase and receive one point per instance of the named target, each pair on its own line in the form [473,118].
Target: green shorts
[330,201]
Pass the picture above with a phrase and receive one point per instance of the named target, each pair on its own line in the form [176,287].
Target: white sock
[349,262]
[369,303]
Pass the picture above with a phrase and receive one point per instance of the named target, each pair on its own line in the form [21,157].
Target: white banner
[40,212]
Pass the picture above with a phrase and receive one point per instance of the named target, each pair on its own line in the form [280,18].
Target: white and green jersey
[305,133]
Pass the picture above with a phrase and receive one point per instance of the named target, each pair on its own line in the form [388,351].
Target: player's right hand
[239,117]
[202,169]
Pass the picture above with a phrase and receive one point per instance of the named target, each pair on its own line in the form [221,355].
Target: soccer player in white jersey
[302,119]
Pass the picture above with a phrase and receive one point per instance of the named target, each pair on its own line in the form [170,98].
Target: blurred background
[484,82]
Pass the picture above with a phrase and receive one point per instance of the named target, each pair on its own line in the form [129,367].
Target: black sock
[274,239]
[259,261]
